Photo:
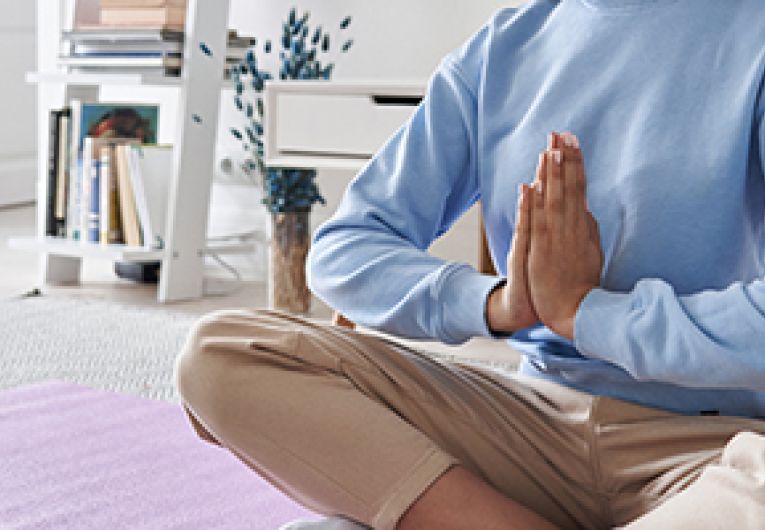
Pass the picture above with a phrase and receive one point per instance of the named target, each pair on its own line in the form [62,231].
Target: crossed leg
[351,424]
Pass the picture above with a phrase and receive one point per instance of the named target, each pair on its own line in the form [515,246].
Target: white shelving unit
[193,157]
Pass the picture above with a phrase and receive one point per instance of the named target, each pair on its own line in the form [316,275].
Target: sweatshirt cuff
[462,297]
[599,324]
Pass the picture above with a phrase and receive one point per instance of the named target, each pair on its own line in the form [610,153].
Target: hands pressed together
[556,257]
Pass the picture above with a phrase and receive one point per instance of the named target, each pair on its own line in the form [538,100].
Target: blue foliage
[286,189]
[205,49]
[291,190]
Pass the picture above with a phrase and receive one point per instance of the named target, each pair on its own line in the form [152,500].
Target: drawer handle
[397,101]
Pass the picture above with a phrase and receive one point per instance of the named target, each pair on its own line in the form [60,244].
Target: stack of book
[136,36]
[145,51]
[107,179]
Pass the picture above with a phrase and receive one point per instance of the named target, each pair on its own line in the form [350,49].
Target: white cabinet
[18,140]
[334,125]
[339,126]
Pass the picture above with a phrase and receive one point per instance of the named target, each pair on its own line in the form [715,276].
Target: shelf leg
[60,269]
[182,275]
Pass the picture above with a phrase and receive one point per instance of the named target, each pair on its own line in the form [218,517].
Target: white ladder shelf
[193,154]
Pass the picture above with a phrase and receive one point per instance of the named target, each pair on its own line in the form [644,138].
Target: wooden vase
[290,241]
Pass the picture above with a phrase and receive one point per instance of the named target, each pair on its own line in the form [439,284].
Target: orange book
[137,4]
[150,17]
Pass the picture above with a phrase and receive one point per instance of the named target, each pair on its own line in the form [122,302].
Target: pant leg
[352,424]
[673,472]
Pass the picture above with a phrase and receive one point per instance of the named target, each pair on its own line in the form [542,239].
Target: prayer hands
[556,257]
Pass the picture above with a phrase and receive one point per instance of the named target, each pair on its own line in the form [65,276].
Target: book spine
[62,185]
[116,234]
[104,185]
[159,17]
[128,214]
[75,196]
[94,213]
[77,170]
[50,192]
[139,194]
[87,168]
[132,4]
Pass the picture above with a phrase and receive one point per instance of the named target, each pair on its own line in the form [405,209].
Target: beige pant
[352,424]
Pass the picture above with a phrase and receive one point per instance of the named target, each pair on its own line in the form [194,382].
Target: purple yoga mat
[75,458]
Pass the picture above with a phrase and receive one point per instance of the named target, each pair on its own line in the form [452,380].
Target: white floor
[19,274]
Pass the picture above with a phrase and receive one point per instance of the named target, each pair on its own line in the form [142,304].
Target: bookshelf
[193,154]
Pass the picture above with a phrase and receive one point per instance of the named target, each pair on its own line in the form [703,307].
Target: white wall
[17,103]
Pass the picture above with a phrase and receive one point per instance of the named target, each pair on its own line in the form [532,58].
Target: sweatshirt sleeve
[710,339]
[370,260]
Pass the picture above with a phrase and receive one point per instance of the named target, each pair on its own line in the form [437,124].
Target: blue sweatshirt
[666,99]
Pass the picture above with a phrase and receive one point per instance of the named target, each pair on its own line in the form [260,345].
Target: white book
[84,202]
[105,192]
[150,172]
[139,195]
[78,170]
[121,62]
[73,201]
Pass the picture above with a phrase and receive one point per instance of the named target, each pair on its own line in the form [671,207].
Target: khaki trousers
[353,424]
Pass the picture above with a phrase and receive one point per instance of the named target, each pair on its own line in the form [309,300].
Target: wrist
[496,312]
[563,327]
[564,323]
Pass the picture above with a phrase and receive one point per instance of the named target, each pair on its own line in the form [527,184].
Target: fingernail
[567,140]
[576,141]
[556,157]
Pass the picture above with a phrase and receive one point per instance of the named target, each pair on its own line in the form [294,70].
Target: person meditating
[631,259]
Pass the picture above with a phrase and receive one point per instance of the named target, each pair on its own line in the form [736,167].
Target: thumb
[595,233]
[594,227]
[521,238]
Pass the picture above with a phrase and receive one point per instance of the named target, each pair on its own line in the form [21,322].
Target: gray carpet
[108,346]
[90,342]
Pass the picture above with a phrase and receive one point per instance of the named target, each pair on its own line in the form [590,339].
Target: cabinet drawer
[352,126]
[333,124]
